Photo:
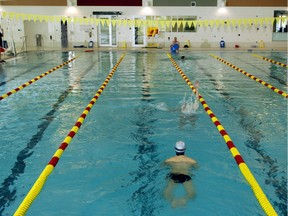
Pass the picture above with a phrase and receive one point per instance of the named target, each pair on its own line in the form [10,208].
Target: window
[280,24]
[178,23]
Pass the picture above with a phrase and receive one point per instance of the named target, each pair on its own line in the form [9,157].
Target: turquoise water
[114,165]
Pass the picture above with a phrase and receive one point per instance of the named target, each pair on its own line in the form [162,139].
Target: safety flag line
[270,60]
[284,94]
[38,185]
[258,192]
[35,79]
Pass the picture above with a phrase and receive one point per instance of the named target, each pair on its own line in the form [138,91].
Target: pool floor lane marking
[284,94]
[8,186]
[35,79]
[259,194]
[38,185]
[270,60]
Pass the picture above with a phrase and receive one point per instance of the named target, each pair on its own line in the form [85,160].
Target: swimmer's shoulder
[188,160]
[181,158]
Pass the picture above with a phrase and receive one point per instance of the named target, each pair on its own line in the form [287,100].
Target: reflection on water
[271,168]
[278,73]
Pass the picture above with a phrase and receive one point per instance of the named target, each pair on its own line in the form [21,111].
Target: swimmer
[180,170]
[174,47]
[183,58]
[190,106]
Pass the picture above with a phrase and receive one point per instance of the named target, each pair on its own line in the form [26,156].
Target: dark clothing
[179,178]
[1,35]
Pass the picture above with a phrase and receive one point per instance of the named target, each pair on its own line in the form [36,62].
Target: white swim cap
[180,147]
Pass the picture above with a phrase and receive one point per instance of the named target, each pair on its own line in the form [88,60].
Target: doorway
[107,32]
[139,33]
[64,34]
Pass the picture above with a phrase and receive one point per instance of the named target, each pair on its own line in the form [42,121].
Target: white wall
[32,28]
[243,36]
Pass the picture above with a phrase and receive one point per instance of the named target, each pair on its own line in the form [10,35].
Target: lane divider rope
[270,60]
[36,79]
[258,192]
[38,185]
[284,94]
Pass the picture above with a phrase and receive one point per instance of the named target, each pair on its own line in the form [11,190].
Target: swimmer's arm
[194,164]
[192,161]
[197,91]
[195,105]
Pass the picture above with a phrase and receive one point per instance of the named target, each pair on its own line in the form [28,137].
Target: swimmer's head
[183,57]
[180,147]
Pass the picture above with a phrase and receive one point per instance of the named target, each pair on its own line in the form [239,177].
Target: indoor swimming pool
[115,163]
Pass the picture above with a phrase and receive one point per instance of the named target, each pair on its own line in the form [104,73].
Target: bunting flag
[131,23]
[179,23]
[97,21]
[17,16]
[184,23]
[138,23]
[173,24]
[153,23]
[102,22]
[113,22]
[124,22]
[63,19]
[168,24]
[156,23]
[162,24]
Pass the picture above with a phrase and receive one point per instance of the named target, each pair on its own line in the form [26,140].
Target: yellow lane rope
[261,197]
[284,94]
[270,60]
[38,185]
[35,79]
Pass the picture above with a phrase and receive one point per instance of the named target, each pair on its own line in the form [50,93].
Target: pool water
[114,165]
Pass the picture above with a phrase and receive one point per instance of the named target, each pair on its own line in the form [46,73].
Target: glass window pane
[192,28]
[180,26]
[175,27]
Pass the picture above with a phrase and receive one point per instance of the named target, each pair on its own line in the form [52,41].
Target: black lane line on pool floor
[8,194]
[254,142]
[272,73]
[25,72]
[146,198]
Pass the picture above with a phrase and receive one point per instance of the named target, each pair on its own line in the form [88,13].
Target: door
[64,35]
[139,34]
[107,33]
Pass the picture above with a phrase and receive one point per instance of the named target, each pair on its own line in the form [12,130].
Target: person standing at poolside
[1,44]
[180,174]
[175,45]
